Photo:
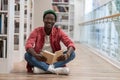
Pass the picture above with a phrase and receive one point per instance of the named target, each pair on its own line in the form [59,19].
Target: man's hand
[62,57]
[40,57]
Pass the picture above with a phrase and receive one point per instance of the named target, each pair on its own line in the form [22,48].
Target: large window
[102,32]
[88,6]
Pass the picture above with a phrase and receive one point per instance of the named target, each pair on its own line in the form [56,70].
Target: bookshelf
[3,35]
[61,7]
[15,26]
[23,24]
[65,15]
[3,27]
[24,19]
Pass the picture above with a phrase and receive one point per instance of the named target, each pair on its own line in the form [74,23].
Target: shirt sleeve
[31,40]
[66,40]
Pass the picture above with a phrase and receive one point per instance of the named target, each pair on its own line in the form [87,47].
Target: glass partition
[104,33]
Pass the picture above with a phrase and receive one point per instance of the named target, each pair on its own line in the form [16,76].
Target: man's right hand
[40,57]
[37,56]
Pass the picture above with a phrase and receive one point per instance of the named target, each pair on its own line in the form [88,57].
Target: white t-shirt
[47,45]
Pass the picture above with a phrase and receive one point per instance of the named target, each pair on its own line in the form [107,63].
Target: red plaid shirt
[37,38]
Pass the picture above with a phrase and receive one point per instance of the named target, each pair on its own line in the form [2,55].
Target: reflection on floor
[86,66]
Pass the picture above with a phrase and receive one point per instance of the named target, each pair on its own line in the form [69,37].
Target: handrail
[102,18]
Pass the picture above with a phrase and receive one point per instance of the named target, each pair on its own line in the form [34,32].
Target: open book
[52,57]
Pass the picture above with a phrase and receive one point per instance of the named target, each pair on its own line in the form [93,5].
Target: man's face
[49,21]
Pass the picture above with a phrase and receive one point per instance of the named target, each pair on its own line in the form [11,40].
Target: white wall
[79,12]
[39,7]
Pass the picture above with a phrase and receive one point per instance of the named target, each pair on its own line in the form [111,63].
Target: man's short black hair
[50,12]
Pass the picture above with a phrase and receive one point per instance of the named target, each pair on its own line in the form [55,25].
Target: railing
[103,19]
[101,30]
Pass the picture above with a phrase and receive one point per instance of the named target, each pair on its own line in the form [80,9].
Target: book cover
[52,57]
[0,24]
[4,4]
[57,0]
[1,48]
[65,0]
[4,49]
[61,8]
[5,23]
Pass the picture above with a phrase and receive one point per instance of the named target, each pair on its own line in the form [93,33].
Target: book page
[49,56]
[52,57]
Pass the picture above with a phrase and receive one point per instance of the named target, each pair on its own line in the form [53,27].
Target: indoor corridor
[86,66]
[93,24]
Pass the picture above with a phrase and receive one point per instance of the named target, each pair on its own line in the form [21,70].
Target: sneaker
[38,70]
[29,68]
[51,69]
[62,70]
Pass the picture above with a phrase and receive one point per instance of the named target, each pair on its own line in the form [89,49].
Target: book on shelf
[4,4]
[60,0]
[64,17]
[57,0]
[16,39]
[65,0]
[0,24]
[51,57]
[3,24]
[16,42]
[60,8]
[17,6]
[3,48]
[16,26]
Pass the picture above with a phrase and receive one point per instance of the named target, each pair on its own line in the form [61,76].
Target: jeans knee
[26,56]
[72,56]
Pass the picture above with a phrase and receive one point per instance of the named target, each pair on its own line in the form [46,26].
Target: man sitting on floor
[48,37]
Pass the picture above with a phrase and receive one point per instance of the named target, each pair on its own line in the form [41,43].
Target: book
[65,0]
[16,26]
[3,48]
[3,24]
[0,24]
[57,0]
[4,5]
[61,8]
[51,57]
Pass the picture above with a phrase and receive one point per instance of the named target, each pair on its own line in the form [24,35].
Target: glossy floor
[86,66]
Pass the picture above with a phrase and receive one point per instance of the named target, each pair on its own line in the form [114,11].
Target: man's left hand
[62,57]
